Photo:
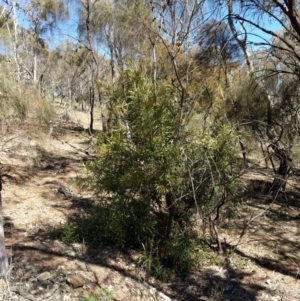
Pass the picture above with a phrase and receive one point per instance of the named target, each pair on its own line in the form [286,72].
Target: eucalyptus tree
[175,23]
[4,266]
[87,37]
[30,25]
[275,65]
[70,73]
[109,28]
[113,26]
[43,17]
[217,52]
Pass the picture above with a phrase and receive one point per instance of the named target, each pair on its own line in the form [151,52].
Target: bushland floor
[40,192]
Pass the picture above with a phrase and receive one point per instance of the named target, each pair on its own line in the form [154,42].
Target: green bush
[123,223]
[154,176]
[20,107]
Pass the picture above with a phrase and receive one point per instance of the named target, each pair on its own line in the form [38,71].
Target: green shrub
[153,180]
[20,106]
[44,111]
[68,233]
[123,223]
[179,254]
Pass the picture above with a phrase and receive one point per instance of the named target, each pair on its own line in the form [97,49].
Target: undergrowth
[125,225]
[157,177]
[104,294]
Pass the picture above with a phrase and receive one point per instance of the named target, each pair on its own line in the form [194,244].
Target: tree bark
[170,205]
[291,11]
[92,104]
[283,171]
[4,267]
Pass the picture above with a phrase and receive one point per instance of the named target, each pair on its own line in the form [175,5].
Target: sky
[68,31]
[255,36]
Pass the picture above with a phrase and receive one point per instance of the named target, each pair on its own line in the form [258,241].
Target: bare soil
[41,191]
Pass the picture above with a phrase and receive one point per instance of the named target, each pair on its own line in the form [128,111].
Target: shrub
[152,180]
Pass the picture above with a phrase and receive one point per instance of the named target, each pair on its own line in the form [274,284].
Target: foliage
[159,167]
[217,46]
[19,103]
[156,180]
[215,175]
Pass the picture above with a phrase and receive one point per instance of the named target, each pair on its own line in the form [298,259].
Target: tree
[218,48]
[111,26]
[174,24]
[4,267]
[43,17]
[249,13]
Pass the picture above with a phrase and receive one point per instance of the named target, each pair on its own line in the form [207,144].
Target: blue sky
[257,36]
[69,29]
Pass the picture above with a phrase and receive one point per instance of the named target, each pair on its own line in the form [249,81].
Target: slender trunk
[243,148]
[244,152]
[110,38]
[216,232]
[4,267]
[265,154]
[285,166]
[14,38]
[34,69]
[170,205]
[103,111]
[154,69]
[241,42]
[92,104]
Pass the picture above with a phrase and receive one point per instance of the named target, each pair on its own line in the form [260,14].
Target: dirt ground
[40,192]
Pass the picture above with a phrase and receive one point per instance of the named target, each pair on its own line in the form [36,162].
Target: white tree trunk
[14,37]
[34,69]
[4,267]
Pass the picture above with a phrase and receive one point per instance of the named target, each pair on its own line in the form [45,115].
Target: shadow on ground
[213,283]
[276,230]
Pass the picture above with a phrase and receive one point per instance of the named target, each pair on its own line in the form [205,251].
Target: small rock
[44,276]
[3,284]
[34,292]
[70,265]
[75,281]
[119,296]
[269,281]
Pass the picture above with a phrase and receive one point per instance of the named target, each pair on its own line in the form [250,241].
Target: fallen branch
[47,297]
[154,291]
[22,293]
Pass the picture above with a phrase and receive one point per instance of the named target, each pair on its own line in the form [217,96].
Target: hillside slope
[41,191]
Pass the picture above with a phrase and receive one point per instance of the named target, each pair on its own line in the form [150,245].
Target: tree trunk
[170,205]
[265,154]
[283,171]
[92,104]
[244,152]
[103,110]
[4,267]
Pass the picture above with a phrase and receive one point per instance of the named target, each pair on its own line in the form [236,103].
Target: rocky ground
[41,191]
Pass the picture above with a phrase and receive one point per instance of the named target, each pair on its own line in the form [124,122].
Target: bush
[123,223]
[158,178]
